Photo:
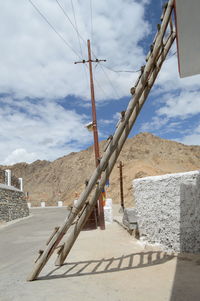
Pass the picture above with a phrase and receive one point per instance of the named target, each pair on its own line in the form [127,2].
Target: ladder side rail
[76,230]
[139,89]
[76,209]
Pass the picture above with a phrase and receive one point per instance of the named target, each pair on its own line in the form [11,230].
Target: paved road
[103,265]
[25,236]
[19,245]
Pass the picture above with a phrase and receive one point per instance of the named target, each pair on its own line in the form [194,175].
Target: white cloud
[155,124]
[169,79]
[182,105]
[36,63]
[116,116]
[42,130]
[37,70]
[20,155]
[193,138]
[178,99]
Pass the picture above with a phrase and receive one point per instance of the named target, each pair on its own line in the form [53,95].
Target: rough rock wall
[13,204]
[168,209]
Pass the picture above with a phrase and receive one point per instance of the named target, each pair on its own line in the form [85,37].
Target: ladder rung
[52,235]
[40,254]
[60,248]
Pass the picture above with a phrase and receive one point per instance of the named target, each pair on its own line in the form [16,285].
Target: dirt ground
[103,265]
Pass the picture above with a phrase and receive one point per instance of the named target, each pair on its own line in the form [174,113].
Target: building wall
[13,204]
[168,209]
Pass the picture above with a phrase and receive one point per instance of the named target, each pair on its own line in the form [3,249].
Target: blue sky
[45,97]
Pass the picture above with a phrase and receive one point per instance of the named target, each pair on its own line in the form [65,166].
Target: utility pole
[121,183]
[95,129]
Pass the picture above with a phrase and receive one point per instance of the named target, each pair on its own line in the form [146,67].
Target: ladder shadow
[110,265]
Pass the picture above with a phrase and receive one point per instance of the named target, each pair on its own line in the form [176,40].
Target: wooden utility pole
[95,129]
[121,183]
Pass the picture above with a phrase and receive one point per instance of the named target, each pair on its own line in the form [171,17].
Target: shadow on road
[186,285]
[101,266]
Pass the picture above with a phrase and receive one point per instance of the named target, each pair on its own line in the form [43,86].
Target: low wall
[168,209]
[13,204]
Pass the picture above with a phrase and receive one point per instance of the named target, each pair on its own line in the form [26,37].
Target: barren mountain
[142,155]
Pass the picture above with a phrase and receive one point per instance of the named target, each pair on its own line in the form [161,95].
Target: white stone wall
[168,209]
[108,216]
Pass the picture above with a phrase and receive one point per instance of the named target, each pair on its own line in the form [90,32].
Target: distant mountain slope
[142,155]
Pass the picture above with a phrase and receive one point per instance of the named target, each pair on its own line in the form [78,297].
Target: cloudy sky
[45,97]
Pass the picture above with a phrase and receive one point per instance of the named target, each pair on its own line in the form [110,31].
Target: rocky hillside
[143,155]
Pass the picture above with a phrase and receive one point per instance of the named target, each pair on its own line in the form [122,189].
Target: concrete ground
[103,265]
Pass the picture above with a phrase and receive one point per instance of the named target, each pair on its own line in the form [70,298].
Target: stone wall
[13,204]
[168,209]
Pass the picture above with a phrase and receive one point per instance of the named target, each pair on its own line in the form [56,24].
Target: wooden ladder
[81,211]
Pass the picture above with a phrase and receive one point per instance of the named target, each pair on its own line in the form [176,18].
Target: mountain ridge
[143,155]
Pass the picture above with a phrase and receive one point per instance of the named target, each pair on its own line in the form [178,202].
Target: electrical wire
[122,71]
[132,71]
[78,34]
[68,18]
[79,41]
[110,82]
[76,28]
[100,87]
[72,24]
[53,28]
[171,56]
[91,21]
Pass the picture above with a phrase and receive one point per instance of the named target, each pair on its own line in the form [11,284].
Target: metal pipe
[121,184]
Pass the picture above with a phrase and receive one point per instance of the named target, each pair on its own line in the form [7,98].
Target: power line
[110,82]
[118,71]
[78,34]
[100,87]
[133,71]
[53,28]
[68,18]
[76,28]
[91,21]
[79,41]
[171,56]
